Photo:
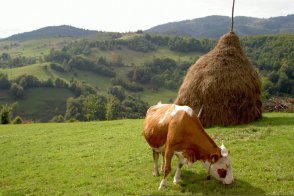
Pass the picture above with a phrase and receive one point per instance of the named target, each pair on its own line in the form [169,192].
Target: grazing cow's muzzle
[221,169]
[228,181]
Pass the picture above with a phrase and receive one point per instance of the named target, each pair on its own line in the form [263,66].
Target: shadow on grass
[197,184]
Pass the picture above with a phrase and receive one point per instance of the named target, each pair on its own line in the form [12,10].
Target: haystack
[225,83]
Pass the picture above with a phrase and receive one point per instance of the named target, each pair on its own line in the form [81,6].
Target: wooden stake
[232,20]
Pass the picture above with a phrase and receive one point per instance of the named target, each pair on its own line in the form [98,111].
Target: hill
[52,31]
[215,26]
[123,68]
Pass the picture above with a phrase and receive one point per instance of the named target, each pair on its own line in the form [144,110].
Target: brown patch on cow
[222,173]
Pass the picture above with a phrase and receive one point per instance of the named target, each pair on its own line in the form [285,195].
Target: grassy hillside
[39,48]
[103,60]
[39,104]
[112,158]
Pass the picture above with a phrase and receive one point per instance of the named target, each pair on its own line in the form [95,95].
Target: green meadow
[112,158]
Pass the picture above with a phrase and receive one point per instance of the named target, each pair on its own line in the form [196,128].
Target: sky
[17,16]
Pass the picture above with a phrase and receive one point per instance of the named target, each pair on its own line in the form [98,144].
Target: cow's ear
[224,150]
[214,158]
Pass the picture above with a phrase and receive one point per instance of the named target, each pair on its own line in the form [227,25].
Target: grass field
[112,158]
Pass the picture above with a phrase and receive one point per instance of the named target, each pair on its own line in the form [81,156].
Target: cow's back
[156,124]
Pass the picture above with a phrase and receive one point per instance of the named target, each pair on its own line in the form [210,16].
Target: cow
[171,129]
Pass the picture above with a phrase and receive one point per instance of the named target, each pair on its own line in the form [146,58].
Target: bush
[5,114]
[4,82]
[16,91]
[57,67]
[118,92]
[17,120]
[57,118]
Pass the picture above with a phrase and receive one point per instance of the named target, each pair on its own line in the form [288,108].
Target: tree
[86,108]
[59,83]
[74,109]
[48,83]
[274,77]
[108,114]
[114,109]
[118,92]
[16,91]
[5,113]
[284,84]
[4,82]
[133,107]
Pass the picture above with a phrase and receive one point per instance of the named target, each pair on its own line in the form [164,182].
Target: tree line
[6,61]
[85,105]
[273,56]
[160,72]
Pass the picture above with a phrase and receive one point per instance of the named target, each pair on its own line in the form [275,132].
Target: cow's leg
[163,161]
[167,167]
[155,163]
[177,177]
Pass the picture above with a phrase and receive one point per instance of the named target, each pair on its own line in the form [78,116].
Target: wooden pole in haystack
[232,19]
[225,83]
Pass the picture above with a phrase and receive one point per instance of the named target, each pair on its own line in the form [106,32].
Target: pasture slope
[112,158]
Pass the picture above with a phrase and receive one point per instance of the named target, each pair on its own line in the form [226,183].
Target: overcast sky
[17,16]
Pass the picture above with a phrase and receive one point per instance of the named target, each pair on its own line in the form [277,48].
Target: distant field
[33,48]
[39,104]
[37,70]
[112,158]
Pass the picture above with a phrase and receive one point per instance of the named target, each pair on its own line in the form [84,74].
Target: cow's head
[220,167]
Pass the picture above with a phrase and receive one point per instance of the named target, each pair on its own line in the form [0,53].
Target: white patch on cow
[173,112]
[162,118]
[185,108]
[160,149]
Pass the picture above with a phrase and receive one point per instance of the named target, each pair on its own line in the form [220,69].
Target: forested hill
[215,26]
[118,75]
[52,31]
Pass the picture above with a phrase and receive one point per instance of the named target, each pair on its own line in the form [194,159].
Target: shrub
[57,67]
[57,118]
[5,114]
[17,120]
[17,91]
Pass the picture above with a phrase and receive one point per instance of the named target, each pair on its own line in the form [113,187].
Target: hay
[225,83]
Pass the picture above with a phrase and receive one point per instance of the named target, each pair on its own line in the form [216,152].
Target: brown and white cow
[172,129]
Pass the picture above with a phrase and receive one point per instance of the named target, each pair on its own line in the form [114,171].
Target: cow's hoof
[161,187]
[155,174]
[177,181]
[162,184]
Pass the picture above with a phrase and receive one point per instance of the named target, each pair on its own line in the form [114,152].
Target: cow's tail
[200,112]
